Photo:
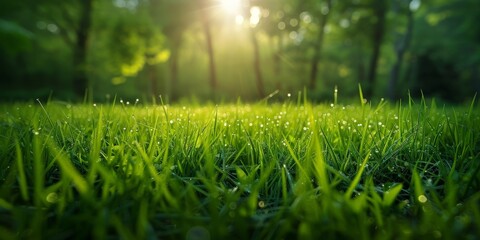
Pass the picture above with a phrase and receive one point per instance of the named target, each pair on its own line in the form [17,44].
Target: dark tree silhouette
[205,7]
[318,46]
[380,8]
[256,64]
[80,78]
[401,45]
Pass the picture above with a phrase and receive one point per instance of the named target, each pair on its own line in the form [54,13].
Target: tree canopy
[226,49]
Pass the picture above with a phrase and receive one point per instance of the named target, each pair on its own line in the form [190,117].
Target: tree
[74,21]
[173,17]
[446,46]
[323,14]
[206,16]
[136,44]
[256,64]
[80,47]
[401,44]
[379,8]
[254,14]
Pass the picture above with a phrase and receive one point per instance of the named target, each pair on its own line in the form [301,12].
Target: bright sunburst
[233,7]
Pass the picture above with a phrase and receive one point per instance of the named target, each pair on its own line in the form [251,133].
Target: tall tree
[82,33]
[174,17]
[74,22]
[401,44]
[255,16]
[274,26]
[206,17]
[256,64]
[323,14]
[380,8]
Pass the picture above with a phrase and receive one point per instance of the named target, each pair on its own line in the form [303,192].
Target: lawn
[289,170]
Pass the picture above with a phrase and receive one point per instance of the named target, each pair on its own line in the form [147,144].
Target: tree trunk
[256,65]
[380,10]
[277,63]
[211,57]
[152,75]
[80,78]
[401,46]
[174,94]
[318,48]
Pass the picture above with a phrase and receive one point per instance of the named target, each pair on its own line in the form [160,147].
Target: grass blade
[22,179]
[67,167]
[356,180]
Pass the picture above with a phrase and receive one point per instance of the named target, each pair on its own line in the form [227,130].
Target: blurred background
[223,50]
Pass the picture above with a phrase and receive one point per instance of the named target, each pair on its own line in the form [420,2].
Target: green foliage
[14,38]
[134,42]
[138,49]
[260,171]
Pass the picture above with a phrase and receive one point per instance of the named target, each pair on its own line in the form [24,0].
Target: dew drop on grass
[422,199]
[52,197]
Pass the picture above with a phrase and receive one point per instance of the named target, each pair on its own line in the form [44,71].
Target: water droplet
[52,197]
[422,199]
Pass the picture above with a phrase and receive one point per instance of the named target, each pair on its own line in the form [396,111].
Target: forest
[225,50]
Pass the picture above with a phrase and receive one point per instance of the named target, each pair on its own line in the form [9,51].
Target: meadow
[285,170]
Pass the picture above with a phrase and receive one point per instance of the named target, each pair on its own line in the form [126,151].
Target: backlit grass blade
[391,194]
[472,105]
[67,167]
[320,166]
[418,188]
[97,137]
[38,170]
[294,157]
[360,94]
[357,178]
[22,179]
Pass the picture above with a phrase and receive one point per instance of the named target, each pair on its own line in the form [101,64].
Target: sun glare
[233,7]
[239,19]
[255,14]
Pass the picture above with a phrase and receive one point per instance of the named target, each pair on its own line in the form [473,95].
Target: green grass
[258,171]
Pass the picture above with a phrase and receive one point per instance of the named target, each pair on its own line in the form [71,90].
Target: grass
[250,171]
